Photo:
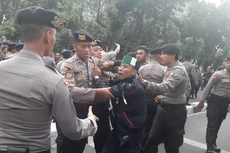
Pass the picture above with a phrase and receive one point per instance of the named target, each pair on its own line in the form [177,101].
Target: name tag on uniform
[225,80]
[78,72]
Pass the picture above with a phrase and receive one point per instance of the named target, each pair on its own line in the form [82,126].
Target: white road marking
[194,114]
[199,144]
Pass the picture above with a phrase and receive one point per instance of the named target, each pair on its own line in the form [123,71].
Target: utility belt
[20,150]
[219,99]
[168,106]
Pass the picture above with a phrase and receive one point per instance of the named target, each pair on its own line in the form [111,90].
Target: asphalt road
[194,140]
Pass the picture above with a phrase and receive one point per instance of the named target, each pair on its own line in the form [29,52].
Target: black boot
[187,99]
[215,148]
[209,148]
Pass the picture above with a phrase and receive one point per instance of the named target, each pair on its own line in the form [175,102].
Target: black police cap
[66,53]
[82,36]
[156,51]
[170,49]
[39,16]
[228,59]
[97,43]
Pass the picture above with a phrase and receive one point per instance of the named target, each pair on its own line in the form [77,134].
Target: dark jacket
[129,108]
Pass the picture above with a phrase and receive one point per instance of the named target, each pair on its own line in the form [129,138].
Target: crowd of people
[128,106]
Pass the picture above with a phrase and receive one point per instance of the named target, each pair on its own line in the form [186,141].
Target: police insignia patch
[68,67]
[82,37]
[66,83]
[79,78]
[69,74]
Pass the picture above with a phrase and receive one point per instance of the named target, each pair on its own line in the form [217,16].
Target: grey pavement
[194,141]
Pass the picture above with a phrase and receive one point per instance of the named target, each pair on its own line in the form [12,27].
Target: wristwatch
[144,84]
[96,78]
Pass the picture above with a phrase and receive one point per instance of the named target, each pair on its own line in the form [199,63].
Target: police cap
[228,59]
[82,36]
[39,16]
[97,43]
[156,51]
[66,53]
[19,46]
[170,49]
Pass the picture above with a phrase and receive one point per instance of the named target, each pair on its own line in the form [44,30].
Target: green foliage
[202,30]
[64,40]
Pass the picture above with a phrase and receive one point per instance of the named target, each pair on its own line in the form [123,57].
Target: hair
[104,45]
[176,57]
[188,58]
[131,54]
[145,48]
[156,56]
[32,32]
[0,43]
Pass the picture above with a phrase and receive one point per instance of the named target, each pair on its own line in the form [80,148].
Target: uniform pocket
[176,138]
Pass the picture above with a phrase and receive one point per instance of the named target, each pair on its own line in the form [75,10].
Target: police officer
[101,109]
[78,71]
[142,55]
[129,109]
[168,124]
[66,54]
[107,56]
[33,92]
[18,47]
[217,94]
[191,73]
[152,72]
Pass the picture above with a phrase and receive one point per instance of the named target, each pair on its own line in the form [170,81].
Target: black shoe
[215,148]
[188,104]
[211,149]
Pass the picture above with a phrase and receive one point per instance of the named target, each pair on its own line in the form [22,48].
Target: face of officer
[5,50]
[141,55]
[167,59]
[125,71]
[209,69]
[96,51]
[50,39]
[57,56]
[83,49]
[227,65]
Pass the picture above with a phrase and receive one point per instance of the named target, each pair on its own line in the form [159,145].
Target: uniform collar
[30,54]
[79,60]
[177,63]
[154,62]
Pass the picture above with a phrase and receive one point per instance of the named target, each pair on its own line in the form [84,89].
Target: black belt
[172,106]
[48,151]
[225,99]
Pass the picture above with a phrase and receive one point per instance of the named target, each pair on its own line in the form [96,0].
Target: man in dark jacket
[129,109]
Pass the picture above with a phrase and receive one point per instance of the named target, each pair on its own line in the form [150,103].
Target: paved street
[194,141]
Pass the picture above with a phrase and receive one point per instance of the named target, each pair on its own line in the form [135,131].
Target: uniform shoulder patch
[68,67]
[216,75]
[69,74]
[66,83]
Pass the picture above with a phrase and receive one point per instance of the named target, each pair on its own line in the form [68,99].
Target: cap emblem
[82,37]
[57,22]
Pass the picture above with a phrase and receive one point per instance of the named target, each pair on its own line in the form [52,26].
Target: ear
[147,55]
[74,46]
[134,71]
[48,36]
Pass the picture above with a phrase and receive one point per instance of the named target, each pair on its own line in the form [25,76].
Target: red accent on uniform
[128,119]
